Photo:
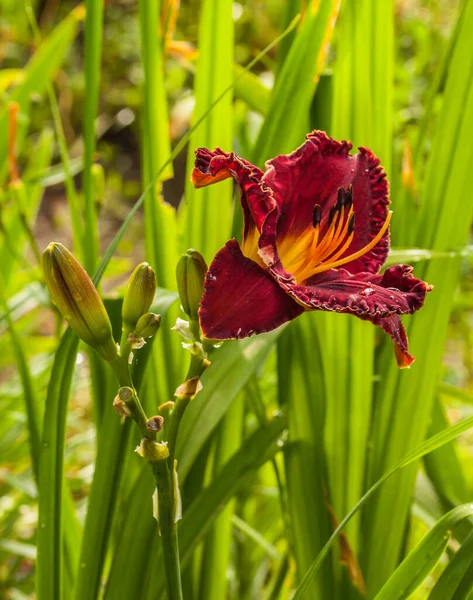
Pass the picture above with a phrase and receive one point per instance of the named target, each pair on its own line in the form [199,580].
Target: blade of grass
[216,553]
[436,441]
[420,562]
[287,118]
[72,196]
[443,466]
[407,397]
[302,393]
[207,223]
[49,569]
[361,112]
[160,221]
[92,59]
[233,364]
[458,569]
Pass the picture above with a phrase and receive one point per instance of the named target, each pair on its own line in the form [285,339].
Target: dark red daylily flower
[315,237]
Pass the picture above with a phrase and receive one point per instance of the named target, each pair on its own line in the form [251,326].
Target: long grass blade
[407,397]
[431,444]
[208,211]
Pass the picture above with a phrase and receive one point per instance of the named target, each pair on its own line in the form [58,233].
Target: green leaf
[407,397]
[207,220]
[250,89]
[49,570]
[436,441]
[287,117]
[420,562]
[456,580]
[232,366]
[302,393]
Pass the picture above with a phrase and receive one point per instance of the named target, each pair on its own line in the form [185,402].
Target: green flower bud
[190,275]
[76,297]
[147,325]
[139,295]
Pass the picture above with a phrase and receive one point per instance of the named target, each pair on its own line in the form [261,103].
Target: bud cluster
[77,299]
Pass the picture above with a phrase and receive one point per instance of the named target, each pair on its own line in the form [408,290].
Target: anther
[341,198]
[351,224]
[349,196]
[332,213]
[316,215]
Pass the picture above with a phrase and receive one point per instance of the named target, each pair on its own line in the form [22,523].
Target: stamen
[316,215]
[337,263]
[351,224]
[340,198]
[333,212]
[349,195]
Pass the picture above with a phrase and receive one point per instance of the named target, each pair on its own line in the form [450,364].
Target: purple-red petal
[312,174]
[241,299]
[256,198]
[376,298]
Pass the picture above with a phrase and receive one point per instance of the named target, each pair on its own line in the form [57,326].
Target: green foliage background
[288,424]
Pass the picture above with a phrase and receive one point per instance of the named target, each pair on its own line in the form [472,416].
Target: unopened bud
[139,295]
[147,325]
[76,297]
[190,275]
[152,451]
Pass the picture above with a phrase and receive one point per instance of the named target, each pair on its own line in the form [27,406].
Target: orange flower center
[314,253]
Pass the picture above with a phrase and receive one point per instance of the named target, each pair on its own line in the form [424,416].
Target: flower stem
[164,482]
[122,371]
[196,368]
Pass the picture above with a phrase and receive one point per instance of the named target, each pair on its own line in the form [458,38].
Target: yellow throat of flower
[311,252]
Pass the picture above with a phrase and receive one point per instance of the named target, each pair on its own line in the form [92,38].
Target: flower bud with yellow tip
[77,299]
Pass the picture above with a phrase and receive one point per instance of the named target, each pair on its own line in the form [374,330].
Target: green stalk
[164,482]
[160,222]
[92,54]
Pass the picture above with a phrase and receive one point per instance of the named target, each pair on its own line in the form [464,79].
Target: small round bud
[139,295]
[147,325]
[76,297]
[190,274]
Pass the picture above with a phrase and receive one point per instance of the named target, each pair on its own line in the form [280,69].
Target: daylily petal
[312,175]
[392,326]
[376,298]
[241,299]
[256,198]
